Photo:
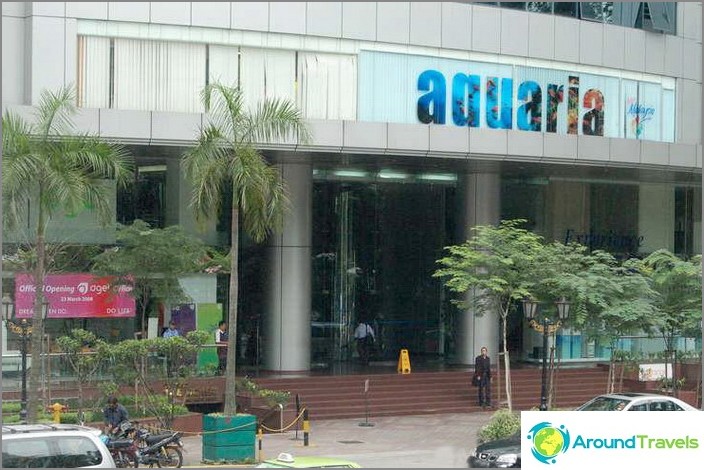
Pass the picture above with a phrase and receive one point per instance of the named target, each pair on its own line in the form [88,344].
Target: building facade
[583,118]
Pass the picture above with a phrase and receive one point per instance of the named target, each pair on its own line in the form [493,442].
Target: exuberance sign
[418,89]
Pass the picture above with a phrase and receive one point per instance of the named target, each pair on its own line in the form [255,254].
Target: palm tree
[226,157]
[61,171]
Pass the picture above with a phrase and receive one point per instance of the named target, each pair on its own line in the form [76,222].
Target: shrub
[71,417]
[502,424]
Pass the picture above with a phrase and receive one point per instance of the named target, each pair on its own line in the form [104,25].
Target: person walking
[364,335]
[221,337]
[482,370]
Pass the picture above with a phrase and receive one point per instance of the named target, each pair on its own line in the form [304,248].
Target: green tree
[83,363]
[61,172]
[132,366]
[678,304]
[608,299]
[497,266]
[226,161]
[150,260]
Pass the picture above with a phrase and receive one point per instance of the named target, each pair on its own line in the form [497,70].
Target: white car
[53,445]
[635,402]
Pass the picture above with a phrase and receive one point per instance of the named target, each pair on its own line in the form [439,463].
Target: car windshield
[53,451]
[604,404]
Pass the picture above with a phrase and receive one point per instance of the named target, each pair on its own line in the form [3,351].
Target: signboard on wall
[75,296]
[406,88]
[185,317]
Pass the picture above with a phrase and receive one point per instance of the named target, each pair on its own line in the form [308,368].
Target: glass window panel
[662,15]
[626,13]
[328,86]
[93,72]
[597,11]
[565,8]
[629,116]
[539,7]
[668,115]
[514,5]
[649,111]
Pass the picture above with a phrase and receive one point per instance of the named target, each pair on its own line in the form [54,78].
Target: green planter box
[229,438]
[228,454]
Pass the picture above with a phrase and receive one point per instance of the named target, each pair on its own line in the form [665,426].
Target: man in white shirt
[364,334]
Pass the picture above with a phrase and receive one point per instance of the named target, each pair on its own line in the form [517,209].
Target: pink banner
[75,296]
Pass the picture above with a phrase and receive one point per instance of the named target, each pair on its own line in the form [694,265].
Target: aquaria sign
[405,88]
[468,103]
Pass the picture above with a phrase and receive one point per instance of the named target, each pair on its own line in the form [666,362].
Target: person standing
[364,334]
[171,331]
[221,337]
[482,369]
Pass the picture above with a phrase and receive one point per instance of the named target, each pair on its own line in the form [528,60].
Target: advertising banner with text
[611,439]
[75,296]
[412,89]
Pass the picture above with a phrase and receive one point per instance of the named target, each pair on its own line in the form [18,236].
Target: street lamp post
[546,327]
[24,330]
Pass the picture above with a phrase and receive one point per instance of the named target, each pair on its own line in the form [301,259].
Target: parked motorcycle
[122,446]
[162,450]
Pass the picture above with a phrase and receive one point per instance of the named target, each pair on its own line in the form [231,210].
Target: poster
[207,318]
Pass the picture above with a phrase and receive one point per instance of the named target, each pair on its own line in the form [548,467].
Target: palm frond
[205,165]
[224,107]
[95,157]
[276,120]
[55,112]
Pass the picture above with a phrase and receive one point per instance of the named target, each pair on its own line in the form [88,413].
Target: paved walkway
[393,442]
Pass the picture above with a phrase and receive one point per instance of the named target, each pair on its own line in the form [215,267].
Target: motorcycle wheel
[172,459]
[126,460]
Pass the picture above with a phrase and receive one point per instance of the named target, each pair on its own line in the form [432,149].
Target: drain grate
[350,442]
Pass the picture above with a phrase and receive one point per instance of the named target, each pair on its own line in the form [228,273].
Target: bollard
[56,409]
[260,435]
[306,427]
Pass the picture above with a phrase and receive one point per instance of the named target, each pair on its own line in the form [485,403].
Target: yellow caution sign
[404,362]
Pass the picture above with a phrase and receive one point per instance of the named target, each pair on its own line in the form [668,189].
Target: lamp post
[546,326]
[24,330]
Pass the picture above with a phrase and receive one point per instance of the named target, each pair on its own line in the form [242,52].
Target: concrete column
[656,217]
[287,317]
[481,207]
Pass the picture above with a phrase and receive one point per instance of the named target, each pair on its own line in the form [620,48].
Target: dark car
[501,453]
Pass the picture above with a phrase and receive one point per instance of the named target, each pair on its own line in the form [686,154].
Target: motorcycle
[162,450]
[122,447]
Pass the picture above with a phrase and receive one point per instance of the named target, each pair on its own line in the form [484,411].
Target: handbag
[476,380]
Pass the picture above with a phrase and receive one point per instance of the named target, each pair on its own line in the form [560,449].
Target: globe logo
[548,441]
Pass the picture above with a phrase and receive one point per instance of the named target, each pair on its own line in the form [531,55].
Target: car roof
[632,395]
[35,428]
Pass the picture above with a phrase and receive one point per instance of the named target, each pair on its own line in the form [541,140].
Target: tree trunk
[37,321]
[507,365]
[230,408]
[610,381]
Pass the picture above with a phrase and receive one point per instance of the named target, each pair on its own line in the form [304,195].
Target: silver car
[53,445]
[635,402]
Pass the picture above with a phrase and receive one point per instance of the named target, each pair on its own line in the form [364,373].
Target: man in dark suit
[482,369]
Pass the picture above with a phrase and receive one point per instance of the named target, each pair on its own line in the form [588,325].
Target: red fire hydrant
[56,409]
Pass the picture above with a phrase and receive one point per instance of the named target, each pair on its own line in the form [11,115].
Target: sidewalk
[393,442]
